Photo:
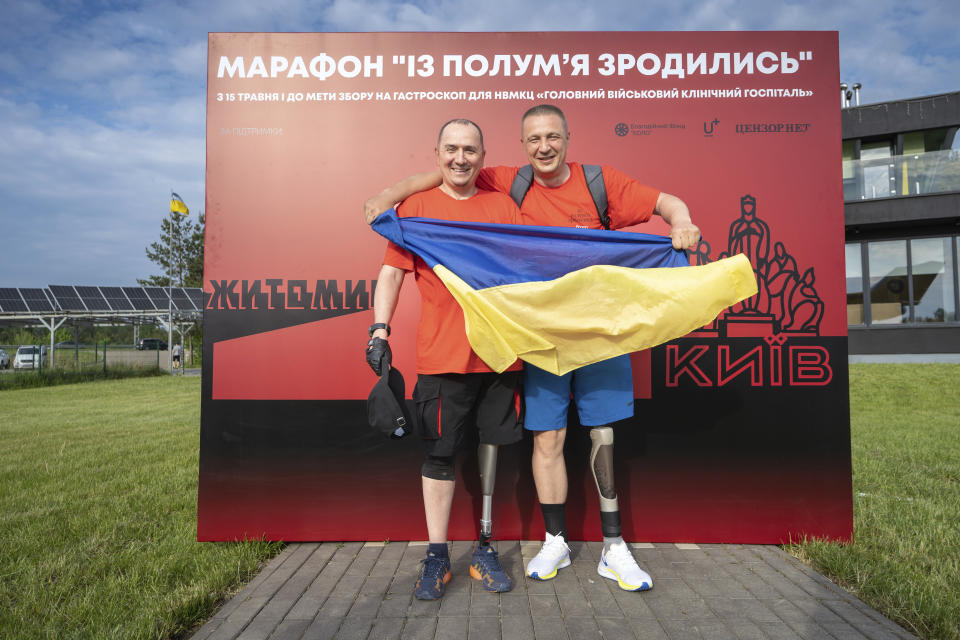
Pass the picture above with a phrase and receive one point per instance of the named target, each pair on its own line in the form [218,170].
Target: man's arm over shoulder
[496,178]
[399,192]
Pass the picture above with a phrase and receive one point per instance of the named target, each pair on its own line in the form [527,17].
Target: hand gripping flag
[561,298]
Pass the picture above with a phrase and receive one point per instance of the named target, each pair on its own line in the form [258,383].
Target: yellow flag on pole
[177,205]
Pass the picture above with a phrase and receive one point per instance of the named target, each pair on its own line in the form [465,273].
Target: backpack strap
[598,191]
[521,184]
[593,175]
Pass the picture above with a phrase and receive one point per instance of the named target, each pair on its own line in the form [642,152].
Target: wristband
[378,325]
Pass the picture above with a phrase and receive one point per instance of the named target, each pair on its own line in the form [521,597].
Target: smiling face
[545,139]
[460,157]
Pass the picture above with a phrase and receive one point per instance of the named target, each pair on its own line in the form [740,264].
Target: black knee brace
[438,468]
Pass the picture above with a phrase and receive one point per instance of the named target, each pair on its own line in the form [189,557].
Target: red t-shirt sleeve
[497,178]
[628,201]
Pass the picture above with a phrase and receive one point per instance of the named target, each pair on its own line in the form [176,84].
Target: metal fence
[86,356]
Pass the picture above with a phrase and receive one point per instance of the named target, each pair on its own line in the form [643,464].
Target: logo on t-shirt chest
[583,219]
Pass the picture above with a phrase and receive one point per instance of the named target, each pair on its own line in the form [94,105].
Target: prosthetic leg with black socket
[616,561]
[485,563]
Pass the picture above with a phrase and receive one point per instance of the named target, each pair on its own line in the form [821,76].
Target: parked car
[4,360]
[151,344]
[30,357]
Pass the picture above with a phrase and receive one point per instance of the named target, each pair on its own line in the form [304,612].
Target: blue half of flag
[561,298]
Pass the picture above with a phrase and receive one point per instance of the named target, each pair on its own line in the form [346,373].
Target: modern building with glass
[901,191]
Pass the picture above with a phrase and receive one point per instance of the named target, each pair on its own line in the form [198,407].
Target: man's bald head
[465,122]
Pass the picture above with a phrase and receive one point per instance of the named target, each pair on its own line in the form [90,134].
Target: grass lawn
[98,490]
[52,377]
[905,562]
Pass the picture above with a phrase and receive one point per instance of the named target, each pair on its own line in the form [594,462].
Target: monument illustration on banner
[786,302]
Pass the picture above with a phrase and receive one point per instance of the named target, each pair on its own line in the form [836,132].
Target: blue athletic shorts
[602,391]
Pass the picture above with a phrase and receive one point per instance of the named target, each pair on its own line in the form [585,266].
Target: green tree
[179,250]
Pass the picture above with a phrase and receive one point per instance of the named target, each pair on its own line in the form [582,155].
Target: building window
[910,281]
[929,162]
[851,189]
[932,276]
[889,291]
[878,177]
[854,284]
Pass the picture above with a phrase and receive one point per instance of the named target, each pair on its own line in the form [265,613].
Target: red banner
[744,127]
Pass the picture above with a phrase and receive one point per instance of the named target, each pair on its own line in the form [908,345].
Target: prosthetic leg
[616,561]
[485,563]
[487,457]
[601,464]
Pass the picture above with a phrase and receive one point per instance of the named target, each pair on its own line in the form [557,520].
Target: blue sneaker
[434,574]
[485,567]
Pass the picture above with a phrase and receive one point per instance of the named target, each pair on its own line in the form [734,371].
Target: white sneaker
[553,555]
[618,564]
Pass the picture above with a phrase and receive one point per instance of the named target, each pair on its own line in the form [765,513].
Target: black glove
[378,354]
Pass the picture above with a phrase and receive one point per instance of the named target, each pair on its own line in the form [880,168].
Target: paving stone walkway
[361,591]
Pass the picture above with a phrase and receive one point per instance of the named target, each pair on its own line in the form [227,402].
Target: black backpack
[591,172]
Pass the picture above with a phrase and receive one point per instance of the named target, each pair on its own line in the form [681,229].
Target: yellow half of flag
[595,313]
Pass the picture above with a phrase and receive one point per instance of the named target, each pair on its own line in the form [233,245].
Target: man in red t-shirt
[455,388]
[602,392]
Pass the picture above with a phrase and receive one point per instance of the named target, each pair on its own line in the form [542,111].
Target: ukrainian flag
[177,204]
[562,298]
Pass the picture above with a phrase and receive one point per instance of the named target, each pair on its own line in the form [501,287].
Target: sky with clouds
[102,103]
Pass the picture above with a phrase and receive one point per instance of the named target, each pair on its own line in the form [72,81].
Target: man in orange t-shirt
[455,388]
[602,392]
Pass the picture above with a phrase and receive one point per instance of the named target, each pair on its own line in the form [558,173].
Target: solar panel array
[196,297]
[158,295]
[36,300]
[115,298]
[11,301]
[138,298]
[92,299]
[69,298]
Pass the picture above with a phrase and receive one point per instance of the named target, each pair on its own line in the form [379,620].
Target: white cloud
[102,112]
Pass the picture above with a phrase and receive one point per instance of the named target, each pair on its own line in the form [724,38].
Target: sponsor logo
[708,128]
[744,128]
[282,295]
[624,129]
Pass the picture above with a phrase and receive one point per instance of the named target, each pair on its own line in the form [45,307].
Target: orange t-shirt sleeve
[628,201]
[397,257]
[497,179]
